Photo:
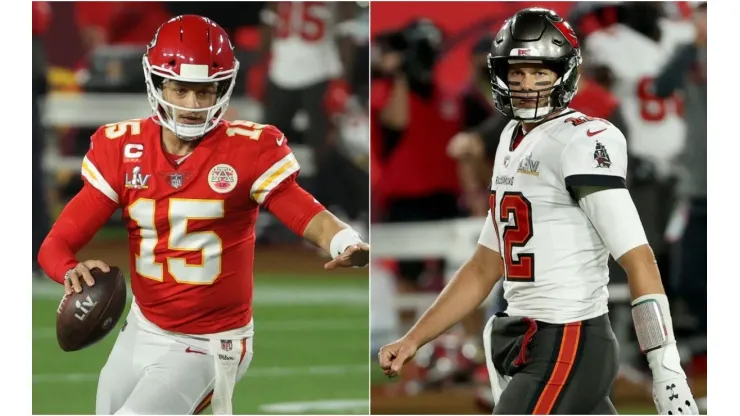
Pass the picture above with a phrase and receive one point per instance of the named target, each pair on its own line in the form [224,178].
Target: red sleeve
[275,164]
[89,209]
[76,226]
[101,164]
[293,206]
[275,185]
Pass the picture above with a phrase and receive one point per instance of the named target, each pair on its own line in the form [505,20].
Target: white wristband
[342,240]
[664,361]
[656,319]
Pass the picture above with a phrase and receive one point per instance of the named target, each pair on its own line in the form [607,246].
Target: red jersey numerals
[303,19]
[653,108]
[517,234]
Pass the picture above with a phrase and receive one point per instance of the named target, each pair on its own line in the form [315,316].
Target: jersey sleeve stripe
[91,173]
[606,181]
[87,172]
[277,173]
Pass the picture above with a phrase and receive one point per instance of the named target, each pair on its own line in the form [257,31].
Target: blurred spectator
[41,17]
[477,101]
[473,153]
[412,121]
[656,128]
[310,53]
[360,83]
[119,23]
[687,71]
[589,16]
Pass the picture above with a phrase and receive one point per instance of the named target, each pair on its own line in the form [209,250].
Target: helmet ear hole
[222,88]
[158,81]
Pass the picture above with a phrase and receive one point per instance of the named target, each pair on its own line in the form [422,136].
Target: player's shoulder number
[582,119]
[593,130]
[117,130]
[245,128]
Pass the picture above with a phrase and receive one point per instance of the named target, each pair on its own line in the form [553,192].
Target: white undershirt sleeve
[615,217]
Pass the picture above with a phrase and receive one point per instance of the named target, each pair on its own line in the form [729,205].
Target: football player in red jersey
[190,186]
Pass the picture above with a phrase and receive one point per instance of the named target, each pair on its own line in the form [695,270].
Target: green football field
[310,351]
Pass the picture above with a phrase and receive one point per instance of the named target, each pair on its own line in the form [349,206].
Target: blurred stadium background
[431,167]
[87,72]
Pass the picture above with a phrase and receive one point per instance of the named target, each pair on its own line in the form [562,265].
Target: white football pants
[150,371]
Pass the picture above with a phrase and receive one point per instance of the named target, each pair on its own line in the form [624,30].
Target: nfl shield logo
[176,180]
[226,345]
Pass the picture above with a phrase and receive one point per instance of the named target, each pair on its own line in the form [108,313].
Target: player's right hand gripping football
[82,270]
[394,356]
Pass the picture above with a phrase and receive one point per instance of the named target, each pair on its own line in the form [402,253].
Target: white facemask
[166,113]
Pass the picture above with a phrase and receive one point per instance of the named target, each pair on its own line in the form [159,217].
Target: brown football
[87,317]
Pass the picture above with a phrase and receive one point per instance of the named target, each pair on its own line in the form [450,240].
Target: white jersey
[304,47]
[656,129]
[555,261]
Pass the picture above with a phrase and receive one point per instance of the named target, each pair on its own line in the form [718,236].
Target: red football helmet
[189,48]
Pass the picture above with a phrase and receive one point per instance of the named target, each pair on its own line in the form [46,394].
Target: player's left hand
[357,255]
[673,397]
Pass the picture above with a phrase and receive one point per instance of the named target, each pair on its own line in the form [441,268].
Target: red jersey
[191,225]
[594,100]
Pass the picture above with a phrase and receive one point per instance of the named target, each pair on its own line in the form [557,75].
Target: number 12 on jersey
[514,204]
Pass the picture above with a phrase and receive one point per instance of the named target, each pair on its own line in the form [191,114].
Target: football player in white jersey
[632,53]
[312,51]
[629,55]
[559,207]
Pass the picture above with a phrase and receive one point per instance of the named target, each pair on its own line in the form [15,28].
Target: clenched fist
[393,356]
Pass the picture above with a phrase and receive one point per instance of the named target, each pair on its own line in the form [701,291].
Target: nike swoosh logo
[190,350]
[590,133]
[280,140]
